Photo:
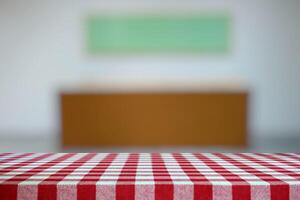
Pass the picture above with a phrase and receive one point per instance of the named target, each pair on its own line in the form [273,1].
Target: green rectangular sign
[163,34]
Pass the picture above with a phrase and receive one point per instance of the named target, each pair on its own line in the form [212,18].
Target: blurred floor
[52,144]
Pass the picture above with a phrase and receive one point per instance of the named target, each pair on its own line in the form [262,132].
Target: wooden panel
[150,119]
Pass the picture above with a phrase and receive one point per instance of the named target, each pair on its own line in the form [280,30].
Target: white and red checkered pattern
[149,176]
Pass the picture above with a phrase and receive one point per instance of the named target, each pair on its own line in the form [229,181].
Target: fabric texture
[149,176]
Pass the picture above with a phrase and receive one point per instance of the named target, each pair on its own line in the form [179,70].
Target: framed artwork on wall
[158,34]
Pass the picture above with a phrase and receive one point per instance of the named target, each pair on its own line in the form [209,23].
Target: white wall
[41,49]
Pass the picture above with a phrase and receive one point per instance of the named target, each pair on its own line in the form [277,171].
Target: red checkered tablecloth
[149,176]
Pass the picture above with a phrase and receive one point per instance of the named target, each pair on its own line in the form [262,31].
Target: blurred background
[94,76]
